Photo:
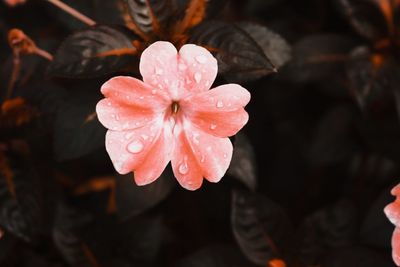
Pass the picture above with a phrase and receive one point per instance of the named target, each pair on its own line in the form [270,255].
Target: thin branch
[75,13]
[44,54]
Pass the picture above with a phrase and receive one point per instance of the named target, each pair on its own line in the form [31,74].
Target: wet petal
[396,190]
[392,211]
[218,111]
[198,66]
[133,92]
[146,150]
[396,246]
[192,70]
[197,155]
[117,116]
[159,65]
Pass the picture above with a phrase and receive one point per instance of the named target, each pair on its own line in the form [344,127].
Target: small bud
[20,42]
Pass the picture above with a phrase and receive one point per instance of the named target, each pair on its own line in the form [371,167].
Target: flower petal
[159,65]
[198,66]
[197,155]
[194,69]
[392,211]
[396,190]
[396,246]
[133,92]
[218,111]
[146,150]
[116,116]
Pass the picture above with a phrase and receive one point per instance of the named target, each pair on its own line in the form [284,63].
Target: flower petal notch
[392,211]
[172,116]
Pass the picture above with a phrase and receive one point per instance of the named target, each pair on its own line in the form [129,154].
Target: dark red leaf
[94,52]
[243,165]
[369,18]
[239,56]
[275,47]
[260,226]
[77,131]
[150,16]
[132,199]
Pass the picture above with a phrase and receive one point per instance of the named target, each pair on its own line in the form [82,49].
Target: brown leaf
[194,14]
[15,112]
[8,174]
[100,184]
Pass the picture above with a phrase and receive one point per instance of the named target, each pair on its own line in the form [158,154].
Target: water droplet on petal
[220,104]
[159,71]
[197,77]
[208,148]
[129,135]
[142,97]
[154,91]
[225,155]
[135,147]
[137,123]
[172,121]
[213,126]
[145,137]
[183,167]
[108,103]
[201,59]
[117,118]
[182,66]
[126,125]
[196,138]
[202,158]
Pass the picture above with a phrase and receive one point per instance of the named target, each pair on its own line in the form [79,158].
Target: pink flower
[172,116]
[393,213]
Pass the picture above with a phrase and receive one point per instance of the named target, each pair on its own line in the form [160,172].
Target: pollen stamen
[175,107]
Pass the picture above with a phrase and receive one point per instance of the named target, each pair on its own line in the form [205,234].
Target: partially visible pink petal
[218,111]
[136,149]
[134,92]
[396,246]
[392,211]
[396,190]
[117,116]
[198,66]
[159,65]
[197,155]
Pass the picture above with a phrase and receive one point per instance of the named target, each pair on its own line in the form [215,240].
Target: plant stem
[14,75]
[44,54]
[73,12]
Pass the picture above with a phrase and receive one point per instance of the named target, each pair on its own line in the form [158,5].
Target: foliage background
[311,172]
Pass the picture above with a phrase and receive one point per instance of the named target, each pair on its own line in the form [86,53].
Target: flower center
[175,107]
